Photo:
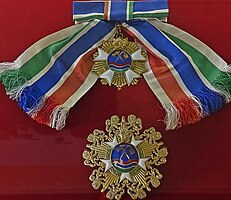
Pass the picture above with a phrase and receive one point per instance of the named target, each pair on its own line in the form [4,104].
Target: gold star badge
[119,62]
[125,158]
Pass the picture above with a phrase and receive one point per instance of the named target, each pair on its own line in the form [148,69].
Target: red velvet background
[37,162]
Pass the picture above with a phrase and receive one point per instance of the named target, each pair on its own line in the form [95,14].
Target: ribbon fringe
[16,86]
[223,83]
[58,117]
[46,111]
[172,116]
[182,112]
[14,80]
[43,110]
[189,110]
[8,66]
[211,101]
[52,114]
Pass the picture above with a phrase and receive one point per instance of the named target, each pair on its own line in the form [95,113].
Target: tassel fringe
[223,83]
[14,82]
[58,117]
[45,110]
[48,112]
[172,117]
[190,113]
[52,114]
[211,101]
[182,112]
[31,99]
[192,109]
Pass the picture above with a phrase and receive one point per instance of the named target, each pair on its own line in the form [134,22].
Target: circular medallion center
[125,157]
[119,61]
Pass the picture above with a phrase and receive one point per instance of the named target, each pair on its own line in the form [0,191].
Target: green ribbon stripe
[38,62]
[207,68]
[151,15]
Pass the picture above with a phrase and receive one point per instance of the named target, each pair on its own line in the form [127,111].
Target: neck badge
[124,158]
[119,62]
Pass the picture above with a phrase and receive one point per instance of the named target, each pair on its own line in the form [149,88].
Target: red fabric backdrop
[36,160]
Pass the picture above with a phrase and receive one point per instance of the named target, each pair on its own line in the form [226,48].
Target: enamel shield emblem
[125,159]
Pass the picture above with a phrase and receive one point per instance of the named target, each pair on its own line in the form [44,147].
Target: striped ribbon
[190,80]
[120,10]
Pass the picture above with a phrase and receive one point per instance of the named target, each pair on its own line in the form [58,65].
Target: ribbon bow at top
[120,10]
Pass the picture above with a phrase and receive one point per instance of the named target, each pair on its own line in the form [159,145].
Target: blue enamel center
[125,157]
[119,61]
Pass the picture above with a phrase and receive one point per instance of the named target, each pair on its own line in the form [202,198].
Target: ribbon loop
[120,10]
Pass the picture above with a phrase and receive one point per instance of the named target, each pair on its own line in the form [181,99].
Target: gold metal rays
[119,62]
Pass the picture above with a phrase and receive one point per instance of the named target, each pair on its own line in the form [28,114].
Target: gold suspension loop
[119,33]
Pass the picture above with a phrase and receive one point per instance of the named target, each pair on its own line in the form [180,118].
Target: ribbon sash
[51,76]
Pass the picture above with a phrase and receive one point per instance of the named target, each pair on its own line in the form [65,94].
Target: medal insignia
[119,62]
[124,158]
